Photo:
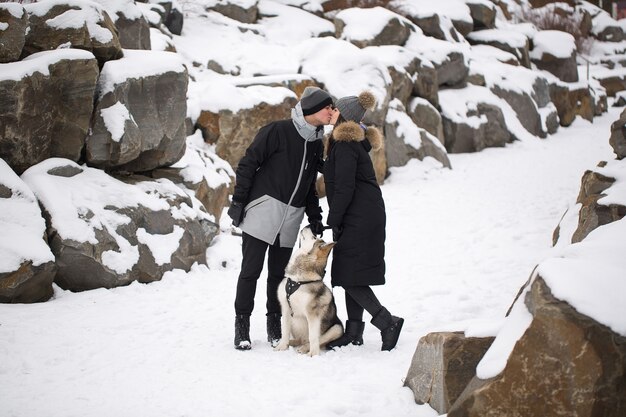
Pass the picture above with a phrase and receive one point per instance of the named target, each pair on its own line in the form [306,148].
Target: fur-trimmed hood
[353,132]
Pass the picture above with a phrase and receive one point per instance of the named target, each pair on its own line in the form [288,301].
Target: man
[275,186]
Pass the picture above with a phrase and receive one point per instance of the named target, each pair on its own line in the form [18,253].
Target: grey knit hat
[313,100]
[353,108]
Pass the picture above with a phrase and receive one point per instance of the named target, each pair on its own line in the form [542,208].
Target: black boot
[390,328]
[273,328]
[352,335]
[242,332]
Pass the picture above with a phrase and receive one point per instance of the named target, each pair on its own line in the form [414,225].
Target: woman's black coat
[356,206]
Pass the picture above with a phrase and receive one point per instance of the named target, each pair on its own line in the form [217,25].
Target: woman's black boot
[242,332]
[390,328]
[273,328]
[352,335]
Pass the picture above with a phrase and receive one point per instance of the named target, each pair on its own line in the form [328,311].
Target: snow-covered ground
[460,244]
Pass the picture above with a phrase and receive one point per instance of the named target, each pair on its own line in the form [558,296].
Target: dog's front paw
[282,345]
[303,348]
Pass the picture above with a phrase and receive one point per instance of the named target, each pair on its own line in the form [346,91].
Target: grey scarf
[309,132]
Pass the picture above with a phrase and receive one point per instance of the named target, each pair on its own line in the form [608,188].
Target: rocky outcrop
[565,364]
[139,119]
[46,112]
[47,30]
[13,21]
[442,366]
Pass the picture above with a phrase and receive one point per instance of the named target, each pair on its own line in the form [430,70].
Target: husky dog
[309,313]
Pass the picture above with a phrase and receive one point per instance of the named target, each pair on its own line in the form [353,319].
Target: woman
[357,216]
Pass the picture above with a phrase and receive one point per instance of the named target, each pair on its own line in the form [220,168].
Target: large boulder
[105,232]
[404,140]
[483,14]
[565,363]
[356,25]
[139,119]
[555,52]
[13,24]
[426,116]
[47,102]
[595,209]
[133,29]
[472,120]
[244,11]
[77,23]
[238,128]
[612,81]
[27,267]
[442,366]
[572,100]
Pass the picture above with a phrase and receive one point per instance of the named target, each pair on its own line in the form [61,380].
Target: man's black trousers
[253,251]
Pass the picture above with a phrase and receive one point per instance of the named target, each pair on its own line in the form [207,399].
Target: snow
[137,64]
[554,42]
[162,246]
[21,223]
[599,255]
[15,9]
[200,162]
[115,118]
[451,266]
[39,62]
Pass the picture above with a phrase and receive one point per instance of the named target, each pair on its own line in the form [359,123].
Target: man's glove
[235,212]
[317,227]
[337,233]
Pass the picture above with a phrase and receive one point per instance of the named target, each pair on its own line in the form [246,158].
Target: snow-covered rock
[372,27]
[27,266]
[72,23]
[555,52]
[105,232]
[139,118]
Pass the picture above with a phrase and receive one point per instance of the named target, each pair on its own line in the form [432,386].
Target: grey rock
[12,38]
[43,116]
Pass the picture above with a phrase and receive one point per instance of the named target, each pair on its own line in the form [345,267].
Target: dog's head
[310,258]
